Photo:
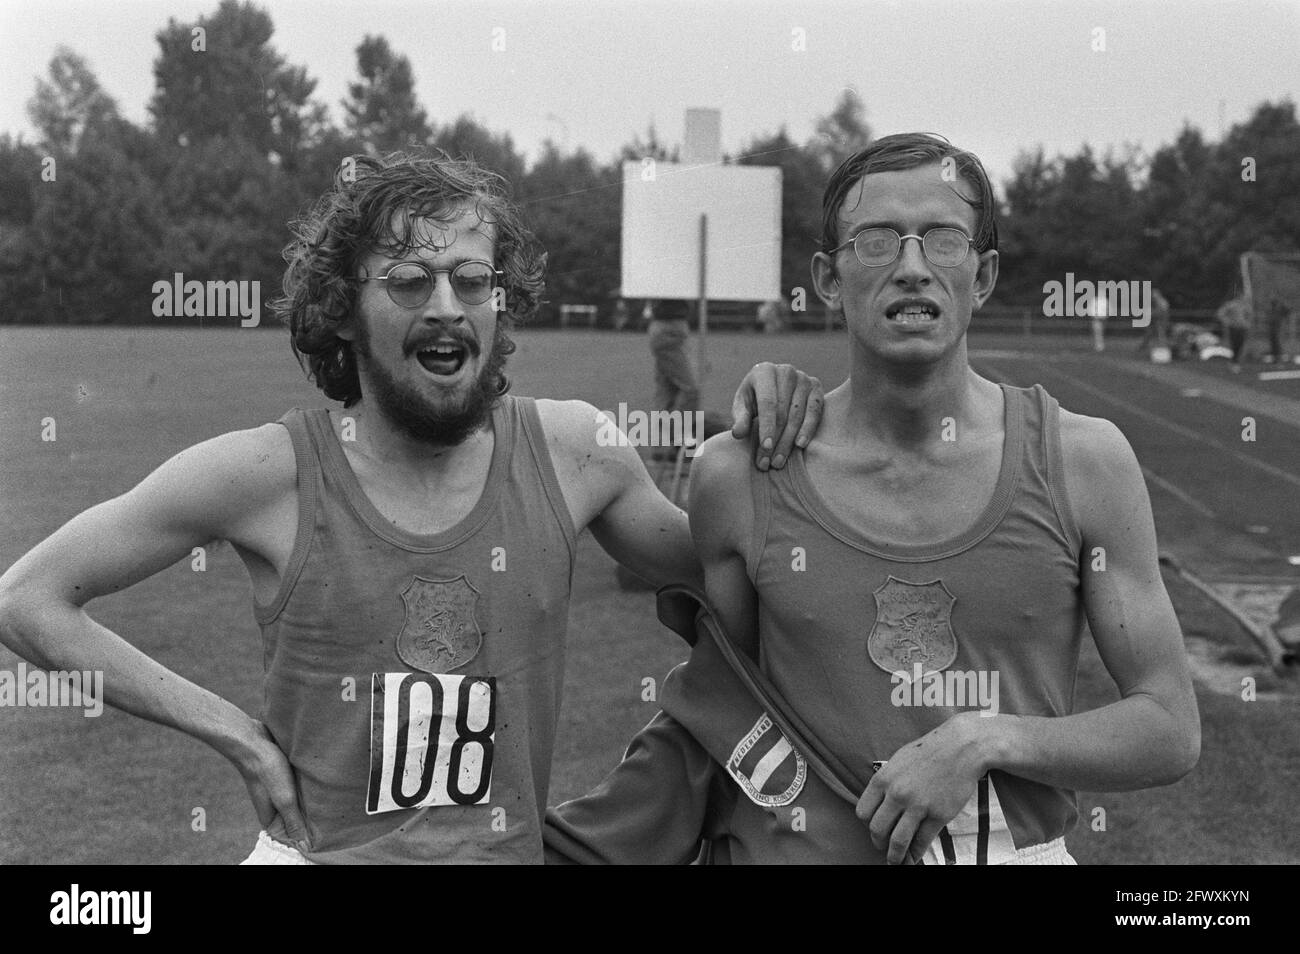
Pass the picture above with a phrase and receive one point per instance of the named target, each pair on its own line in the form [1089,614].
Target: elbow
[19,609]
[1190,752]
[1182,748]
[9,615]
[9,600]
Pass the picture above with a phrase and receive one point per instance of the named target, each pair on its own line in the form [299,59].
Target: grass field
[117,789]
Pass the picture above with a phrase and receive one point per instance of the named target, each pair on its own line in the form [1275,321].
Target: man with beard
[411,556]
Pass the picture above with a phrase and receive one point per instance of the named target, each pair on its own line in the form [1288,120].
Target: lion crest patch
[440,633]
[913,626]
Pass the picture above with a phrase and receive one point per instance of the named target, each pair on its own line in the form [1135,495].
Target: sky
[994,76]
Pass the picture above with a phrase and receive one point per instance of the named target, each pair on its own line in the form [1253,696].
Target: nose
[443,304]
[912,267]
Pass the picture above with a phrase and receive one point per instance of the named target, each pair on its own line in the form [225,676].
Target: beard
[451,420]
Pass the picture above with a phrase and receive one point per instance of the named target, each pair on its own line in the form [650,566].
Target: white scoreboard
[662,204]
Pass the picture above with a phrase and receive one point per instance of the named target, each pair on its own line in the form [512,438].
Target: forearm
[61,636]
[1134,743]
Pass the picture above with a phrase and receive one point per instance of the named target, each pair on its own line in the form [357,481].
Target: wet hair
[372,207]
[909,151]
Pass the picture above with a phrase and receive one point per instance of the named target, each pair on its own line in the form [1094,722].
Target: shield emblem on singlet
[913,625]
[440,633]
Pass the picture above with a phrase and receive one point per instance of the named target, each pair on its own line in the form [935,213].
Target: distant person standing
[1157,332]
[1277,316]
[769,317]
[675,385]
[621,315]
[1234,316]
[1099,324]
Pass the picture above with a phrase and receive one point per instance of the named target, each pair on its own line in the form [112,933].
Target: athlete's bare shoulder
[591,462]
[251,465]
[262,457]
[568,422]
[723,458]
[240,486]
[1089,442]
[722,509]
[1102,476]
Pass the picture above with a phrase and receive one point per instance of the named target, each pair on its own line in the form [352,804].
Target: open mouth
[444,358]
[912,313]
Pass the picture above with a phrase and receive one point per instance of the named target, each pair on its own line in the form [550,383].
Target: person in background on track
[1234,318]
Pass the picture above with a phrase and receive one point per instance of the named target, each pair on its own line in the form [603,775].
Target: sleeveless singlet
[841,613]
[413,681]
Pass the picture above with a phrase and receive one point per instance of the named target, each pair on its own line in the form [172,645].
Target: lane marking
[1270,403]
[1278,375]
[1177,428]
[1169,488]
[1182,495]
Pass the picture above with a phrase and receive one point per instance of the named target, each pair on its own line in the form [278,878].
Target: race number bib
[431,740]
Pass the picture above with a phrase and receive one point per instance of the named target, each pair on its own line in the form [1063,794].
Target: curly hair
[908,151]
[371,207]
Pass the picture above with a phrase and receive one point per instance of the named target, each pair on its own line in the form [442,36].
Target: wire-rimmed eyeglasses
[410,284]
[877,247]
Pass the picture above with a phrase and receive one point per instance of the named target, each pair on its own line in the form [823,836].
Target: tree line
[98,209]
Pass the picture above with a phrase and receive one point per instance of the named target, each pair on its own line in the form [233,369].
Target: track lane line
[1177,428]
[1173,490]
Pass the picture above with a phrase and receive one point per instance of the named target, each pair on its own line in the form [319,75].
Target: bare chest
[911,502]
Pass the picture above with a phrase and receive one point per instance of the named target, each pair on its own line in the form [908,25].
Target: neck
[379,439]
[907,405]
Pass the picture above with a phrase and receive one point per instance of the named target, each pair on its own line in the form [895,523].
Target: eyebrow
[898,227]
[451,263]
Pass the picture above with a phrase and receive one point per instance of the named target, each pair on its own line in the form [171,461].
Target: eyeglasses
[877,247]
[410,284]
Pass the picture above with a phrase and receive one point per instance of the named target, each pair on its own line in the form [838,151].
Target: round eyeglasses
[410,284]
[878,247]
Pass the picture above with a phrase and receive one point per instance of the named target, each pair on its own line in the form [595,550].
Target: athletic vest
[841,614]
[413,681]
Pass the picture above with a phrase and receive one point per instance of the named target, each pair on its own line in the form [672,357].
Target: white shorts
[1048,853]
[271,852]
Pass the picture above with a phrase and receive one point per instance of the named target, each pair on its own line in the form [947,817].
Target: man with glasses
[914,585]
[411,554]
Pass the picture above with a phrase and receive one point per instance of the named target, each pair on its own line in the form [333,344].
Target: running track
[1224,504]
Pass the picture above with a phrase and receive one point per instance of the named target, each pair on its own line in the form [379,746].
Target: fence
[1026,321]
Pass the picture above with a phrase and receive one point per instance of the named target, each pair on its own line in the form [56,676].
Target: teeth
[915,310]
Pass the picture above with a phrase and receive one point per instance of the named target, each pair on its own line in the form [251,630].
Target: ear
[825,280]
[347,330]
[986,278]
